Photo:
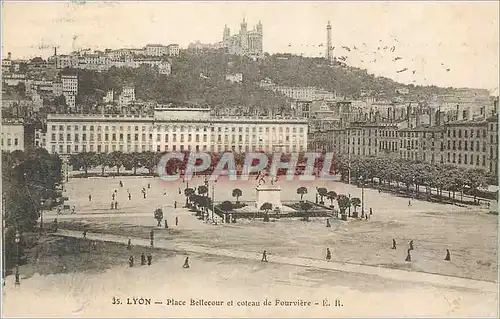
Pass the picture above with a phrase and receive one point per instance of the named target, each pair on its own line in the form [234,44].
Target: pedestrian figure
[328,254]
[121,184]
[90,197]
[131,261]
[129,196]
[175,204]
[366,216]
[179,191]
[55,224]
[186,263]
[73,211]
[393,243]
[149,185]
[150,259]
[144,195]
[113,196]
[409,202]
[371,211]
[143,259]
[411,245]
[116,205]
[166,224]
[176,220]
[129,245]
[85,234]
[164,192]
[112,205]
[328,225]
[264,256]
[408,256]
[448,257]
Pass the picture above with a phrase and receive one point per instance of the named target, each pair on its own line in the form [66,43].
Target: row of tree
[392,173]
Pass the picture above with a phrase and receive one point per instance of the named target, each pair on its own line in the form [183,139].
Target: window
[465,158]
[16,141]
[106,137]
[84,137]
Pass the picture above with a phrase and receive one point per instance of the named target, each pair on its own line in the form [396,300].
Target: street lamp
[213,198]
[41,214]
[17,240]
[362,195]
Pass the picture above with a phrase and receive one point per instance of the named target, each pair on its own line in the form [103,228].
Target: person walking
[129,196]
[408,256]
[411,245]
[150,259]
[129,244]
[143,259]
[409,202]
[121,184]
[113,196]
[116,205]
[131,261]
[90,197]
[175,204]
[328,254]
[448,257]
[112,205]
[264,256]
[166,224]
[85,234]
[149,185]
[186,263]
[328,225]
[393,243]
[176,220]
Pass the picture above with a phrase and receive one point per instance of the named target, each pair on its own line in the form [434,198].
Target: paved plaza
[225,258]
[433,227]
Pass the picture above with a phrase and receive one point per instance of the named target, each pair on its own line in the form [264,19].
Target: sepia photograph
[227,159]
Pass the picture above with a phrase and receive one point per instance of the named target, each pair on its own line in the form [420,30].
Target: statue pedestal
[270,194]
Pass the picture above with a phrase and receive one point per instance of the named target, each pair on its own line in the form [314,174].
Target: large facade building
[173,129]
[246,42]
[12,135]
[465,144]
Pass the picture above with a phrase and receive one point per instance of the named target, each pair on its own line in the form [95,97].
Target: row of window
[182,128]
[114,136]
[136,148]
[9,141]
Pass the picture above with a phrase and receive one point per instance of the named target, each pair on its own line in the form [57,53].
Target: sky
[439,43]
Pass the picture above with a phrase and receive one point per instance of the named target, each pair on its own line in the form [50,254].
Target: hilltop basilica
[245,42]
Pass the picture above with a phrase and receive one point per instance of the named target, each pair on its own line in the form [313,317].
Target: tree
[331,195]
[343,202]
[266,207]
[355,202]
[306,207]
[84,160]
[103,160]
[237,193]
[188,192]
[475,178]
[115,159]
[202,190]
[322,193]
[301,191]
[226,206]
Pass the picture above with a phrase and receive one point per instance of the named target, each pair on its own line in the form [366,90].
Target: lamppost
[42,202]
[213,198]
[362,195]
[17,240]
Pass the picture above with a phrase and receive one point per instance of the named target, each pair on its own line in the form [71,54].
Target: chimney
[9,56]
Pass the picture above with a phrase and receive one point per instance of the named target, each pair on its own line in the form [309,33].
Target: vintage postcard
[249,159]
